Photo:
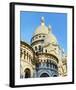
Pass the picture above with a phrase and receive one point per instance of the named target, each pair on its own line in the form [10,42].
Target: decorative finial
[42,20]
[49,28]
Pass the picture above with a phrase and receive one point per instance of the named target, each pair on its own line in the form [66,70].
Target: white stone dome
[42,29]
[50,38]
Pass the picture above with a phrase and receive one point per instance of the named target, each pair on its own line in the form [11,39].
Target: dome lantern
[42,28]
[49,28]
[42,20]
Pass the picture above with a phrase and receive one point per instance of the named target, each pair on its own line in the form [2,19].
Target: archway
[44,75]
[27,73]
[54,75]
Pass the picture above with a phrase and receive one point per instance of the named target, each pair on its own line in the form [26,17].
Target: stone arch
[27,73]
[44,75]
[55,75]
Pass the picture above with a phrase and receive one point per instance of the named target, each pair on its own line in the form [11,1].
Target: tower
[42,41]
[26,60]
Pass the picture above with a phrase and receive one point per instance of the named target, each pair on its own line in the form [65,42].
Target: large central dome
[42,29]
[45,31]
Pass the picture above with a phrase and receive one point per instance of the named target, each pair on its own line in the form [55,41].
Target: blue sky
[29,21]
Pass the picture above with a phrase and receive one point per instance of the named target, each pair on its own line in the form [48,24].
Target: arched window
[43,36]
[36,37]
[37,65]
[46,50]
[36,48]
[40,48]
[21,53]
[40,36]
[27,55]
[24,54]
[53,66]
[27,73]
[54,75]
[56,67]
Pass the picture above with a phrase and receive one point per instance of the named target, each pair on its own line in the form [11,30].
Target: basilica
[43,57]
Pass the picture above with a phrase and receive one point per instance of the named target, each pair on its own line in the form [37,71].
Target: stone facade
[43,57]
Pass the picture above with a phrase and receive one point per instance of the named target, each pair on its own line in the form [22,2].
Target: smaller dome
[50,39]
[53,39]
